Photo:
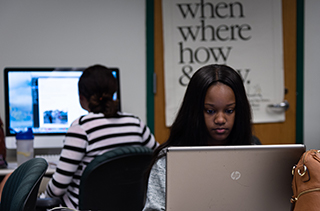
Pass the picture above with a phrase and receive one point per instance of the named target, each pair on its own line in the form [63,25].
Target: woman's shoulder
[162,158]
[127,115]
[87,117]
[122,117]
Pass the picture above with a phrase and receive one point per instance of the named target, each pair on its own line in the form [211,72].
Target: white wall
[50,33]
[312,74]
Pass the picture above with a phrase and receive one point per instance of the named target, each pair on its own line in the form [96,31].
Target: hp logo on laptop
[235,175]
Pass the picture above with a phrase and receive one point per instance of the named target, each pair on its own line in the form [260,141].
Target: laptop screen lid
[251,178]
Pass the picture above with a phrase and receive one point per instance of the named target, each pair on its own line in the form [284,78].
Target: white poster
[244,34]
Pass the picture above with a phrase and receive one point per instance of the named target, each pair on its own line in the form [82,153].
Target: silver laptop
[245,178]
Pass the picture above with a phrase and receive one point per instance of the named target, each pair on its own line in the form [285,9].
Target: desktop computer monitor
[45,99]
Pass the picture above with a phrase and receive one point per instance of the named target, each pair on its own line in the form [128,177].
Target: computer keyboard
[52,159]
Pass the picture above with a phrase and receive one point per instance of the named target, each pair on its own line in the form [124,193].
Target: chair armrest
[47,203]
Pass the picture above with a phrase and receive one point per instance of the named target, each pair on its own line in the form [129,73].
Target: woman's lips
[220,130]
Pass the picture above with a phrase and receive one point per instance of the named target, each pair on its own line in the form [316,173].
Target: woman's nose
[220,118]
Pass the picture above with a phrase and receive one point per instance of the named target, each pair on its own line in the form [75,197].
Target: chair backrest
[115,180]
[21,189]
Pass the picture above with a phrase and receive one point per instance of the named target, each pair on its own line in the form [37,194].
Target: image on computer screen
[45,99]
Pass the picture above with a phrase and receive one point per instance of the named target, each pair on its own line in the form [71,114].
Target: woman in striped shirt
[102,129]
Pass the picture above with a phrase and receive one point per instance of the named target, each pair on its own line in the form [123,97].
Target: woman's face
[219,113]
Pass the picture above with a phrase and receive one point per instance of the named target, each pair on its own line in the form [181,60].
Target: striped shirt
[87,137]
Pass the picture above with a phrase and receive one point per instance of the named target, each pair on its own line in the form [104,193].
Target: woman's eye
[229,111]
[210,111]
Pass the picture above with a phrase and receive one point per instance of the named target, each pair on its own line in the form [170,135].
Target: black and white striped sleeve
[147,136]
[71,155]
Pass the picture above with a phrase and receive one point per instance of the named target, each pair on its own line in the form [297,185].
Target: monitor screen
[45,99]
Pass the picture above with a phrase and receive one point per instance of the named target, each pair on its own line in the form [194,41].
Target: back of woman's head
[98,85]
[189,126]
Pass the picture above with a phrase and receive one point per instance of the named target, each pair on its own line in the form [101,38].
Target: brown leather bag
[306,182]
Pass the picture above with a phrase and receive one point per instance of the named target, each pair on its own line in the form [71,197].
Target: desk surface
[13,165]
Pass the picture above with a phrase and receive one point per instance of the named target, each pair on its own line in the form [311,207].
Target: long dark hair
[97,84]
[188,129]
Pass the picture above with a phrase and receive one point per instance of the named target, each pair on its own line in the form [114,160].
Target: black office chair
[21,189]
[115,180]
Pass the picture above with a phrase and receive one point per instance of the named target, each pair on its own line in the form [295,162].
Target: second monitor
[45,99]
